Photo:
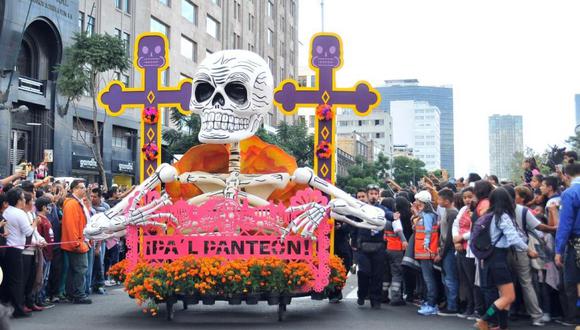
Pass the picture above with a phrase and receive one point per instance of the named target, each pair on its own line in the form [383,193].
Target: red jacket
[45,230]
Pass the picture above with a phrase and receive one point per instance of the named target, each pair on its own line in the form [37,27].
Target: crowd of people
[473,248]
[44,255]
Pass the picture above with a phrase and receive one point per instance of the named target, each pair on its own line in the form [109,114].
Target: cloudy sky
[501,57]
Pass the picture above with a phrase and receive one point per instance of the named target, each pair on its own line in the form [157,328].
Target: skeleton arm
[114,221]
[340,208]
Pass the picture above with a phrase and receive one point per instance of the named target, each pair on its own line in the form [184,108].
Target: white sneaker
[110,283]
[538,323]
[546,318]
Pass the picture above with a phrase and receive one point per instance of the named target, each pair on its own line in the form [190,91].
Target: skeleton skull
[232,91]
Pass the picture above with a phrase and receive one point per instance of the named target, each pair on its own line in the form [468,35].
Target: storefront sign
[48,155]
[123,166]
[85,163]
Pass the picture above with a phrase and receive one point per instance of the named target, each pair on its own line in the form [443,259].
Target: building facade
[376,127]
[416,124]
[356,145]
[403,150]
[505,139]
[440,97]
[32,118]
[344,161]
[577,103]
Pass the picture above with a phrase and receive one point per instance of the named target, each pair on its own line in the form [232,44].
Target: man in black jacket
[371,256]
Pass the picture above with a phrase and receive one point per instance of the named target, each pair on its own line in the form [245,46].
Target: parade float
[234,219]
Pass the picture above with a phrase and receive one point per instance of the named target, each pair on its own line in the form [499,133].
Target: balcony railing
[31,85]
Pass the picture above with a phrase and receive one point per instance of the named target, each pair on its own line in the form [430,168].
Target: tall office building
[376,127]
[440,97]
[505,139]
[417,125]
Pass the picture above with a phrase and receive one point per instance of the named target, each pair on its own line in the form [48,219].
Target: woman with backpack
[494,272]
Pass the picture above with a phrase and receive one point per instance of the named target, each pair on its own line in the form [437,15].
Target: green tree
[574,142]
[360,175]
[294,139]
[407,170]
[183,136]
[382,166]
[86,59]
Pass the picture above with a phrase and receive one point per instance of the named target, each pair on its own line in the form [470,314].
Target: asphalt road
[117,311]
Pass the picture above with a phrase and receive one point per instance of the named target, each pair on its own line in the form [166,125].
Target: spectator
[530,169]
[570,157]
[494,270]
[568,243]
[396,246]
[19,229]
[425,246]
[465,259]
[32,259]
[43,207]
[493,180]
[371,257]
[446,252]
[74,220]
[99,206]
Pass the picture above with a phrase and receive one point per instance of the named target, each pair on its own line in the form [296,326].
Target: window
[82,131]
[216,2]
[165,77]
[126,80]
[293,7]
[118,4]
[282,73]
[158,26]
[237,41]
[282,23]
[270,8]
[282,48]
[189,11]
[121,138]
[213,27]
[118,33]
[291,31]
[165,2]
[291,57]
[166,115]
[128,6]
[90,25]
[188,48]
[237,10]
[271,64]
[270,37]
[81,21]
[127,43]
[250,22]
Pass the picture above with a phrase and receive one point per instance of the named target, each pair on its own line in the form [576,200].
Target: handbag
[372,247]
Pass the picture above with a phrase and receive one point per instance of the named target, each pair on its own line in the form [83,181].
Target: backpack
[481,244]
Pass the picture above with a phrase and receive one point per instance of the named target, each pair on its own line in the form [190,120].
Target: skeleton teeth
[211,116]
[224,125]
[236,126]
[218,117]
[230,126]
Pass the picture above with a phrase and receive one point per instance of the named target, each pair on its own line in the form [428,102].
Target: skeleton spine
[234,162]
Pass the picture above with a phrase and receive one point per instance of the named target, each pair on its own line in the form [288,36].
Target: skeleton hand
[113,222]
[306,222]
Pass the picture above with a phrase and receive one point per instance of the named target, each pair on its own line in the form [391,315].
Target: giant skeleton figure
[232,92]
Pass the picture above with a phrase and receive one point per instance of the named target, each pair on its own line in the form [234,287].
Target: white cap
[423,196]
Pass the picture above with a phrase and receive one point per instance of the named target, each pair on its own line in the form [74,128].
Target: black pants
[466,269]
[13,279]
[29,274]
[370,275]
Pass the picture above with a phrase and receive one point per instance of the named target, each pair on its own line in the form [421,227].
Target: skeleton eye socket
[237,92]
[319,49]
[203,91]
[332,50]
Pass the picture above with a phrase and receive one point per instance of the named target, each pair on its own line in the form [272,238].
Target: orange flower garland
[151,284]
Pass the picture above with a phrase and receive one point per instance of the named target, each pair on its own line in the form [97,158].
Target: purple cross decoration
[151,57]
[325,59]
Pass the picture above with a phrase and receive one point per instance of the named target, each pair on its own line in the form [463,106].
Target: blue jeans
[450,280]
[89,273]
[99,268]
[42,294]
[430,283]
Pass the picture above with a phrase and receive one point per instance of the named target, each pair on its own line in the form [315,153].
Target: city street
[117,311]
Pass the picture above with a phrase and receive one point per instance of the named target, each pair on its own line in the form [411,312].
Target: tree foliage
[85,59]
[574,142]
[407,170]
[294,139]
[364,173]
[182,138]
